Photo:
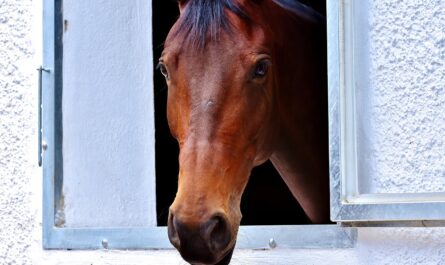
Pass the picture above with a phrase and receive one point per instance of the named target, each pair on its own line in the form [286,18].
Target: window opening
[266,200]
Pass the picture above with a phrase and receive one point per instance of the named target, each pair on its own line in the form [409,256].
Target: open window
[375,178]
[265,186]
[104,142]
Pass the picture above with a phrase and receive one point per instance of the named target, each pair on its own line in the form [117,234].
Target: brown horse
[246,83]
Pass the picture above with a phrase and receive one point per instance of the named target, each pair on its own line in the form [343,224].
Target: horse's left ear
[181,4]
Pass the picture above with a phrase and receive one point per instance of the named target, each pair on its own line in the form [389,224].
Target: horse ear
[181,4]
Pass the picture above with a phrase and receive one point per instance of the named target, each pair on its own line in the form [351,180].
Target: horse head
[220,65]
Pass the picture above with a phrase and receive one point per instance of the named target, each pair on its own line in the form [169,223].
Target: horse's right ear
[181,4]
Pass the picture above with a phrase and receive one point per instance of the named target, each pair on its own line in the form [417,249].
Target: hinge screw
[272,243]
[105,243]
[44,145]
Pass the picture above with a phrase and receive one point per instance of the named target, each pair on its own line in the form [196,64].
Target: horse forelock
[203,20]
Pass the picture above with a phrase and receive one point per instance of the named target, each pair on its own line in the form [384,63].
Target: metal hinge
[41,145]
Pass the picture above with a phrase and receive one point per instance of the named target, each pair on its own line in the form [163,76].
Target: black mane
[203,19]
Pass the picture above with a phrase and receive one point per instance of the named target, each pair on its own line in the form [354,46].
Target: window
[265,187]
[82,212]
[355,199]
[99,192]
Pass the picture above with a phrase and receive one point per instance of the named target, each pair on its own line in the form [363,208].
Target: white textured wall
[18,174]
[20,179]
[402,104]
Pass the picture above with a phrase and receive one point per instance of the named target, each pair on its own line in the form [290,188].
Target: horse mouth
[225,260]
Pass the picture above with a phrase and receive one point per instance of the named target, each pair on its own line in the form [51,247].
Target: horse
[246,83]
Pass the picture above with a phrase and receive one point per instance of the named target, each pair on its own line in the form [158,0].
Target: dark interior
[266,200]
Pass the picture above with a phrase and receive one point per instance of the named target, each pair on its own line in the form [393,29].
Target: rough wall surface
[406,95]
[20,179]
[17,131]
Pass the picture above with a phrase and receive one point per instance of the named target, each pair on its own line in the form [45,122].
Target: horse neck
[300,153]
[301,92]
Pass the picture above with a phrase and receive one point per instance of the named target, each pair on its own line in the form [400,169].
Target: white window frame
[252,237]
[348,205]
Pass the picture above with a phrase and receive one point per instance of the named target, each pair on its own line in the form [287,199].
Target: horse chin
[225,260]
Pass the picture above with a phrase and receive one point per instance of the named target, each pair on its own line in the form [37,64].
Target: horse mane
[203,19]
[301,10]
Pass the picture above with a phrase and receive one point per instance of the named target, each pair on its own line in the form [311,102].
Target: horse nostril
[200,242]
[217,233]
[173,232]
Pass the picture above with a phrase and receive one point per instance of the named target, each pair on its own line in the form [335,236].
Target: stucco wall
[17,130]
[401,94]
[20,178]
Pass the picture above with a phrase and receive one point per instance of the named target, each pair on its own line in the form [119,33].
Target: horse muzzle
[207,242]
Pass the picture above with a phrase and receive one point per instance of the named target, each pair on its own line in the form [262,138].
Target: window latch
[41,69]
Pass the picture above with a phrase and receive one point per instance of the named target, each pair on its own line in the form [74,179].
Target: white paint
[402,107]
[108,121]
[20,178]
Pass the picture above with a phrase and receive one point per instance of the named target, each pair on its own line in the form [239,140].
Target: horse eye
[163,69]
[261,69]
